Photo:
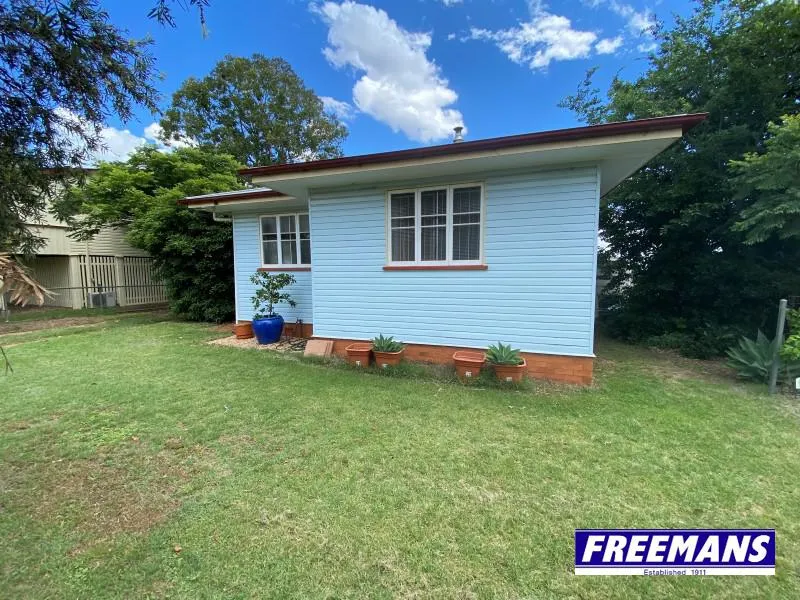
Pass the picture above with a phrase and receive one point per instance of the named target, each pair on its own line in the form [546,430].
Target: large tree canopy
[192,252]
[63,69]
[681,270]
[769,183]
[256,109]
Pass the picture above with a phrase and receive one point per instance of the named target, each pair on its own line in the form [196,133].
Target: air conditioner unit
[102,299]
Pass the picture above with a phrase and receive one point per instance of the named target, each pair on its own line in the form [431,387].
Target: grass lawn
[138,461]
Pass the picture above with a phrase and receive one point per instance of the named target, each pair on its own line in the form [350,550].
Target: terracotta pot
[358,354]
[243,330]
[468,364]
[511,373]
[388,359]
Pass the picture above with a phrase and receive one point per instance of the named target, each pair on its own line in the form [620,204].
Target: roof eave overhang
[618,156]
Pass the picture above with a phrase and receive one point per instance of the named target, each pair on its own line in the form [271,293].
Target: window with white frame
[437,225]
[286,240]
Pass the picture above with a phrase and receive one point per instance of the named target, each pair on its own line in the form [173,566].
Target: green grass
[138,462]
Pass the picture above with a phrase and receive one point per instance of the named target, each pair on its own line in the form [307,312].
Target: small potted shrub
[243,330]
[388,351]
[268,325]
[469,364]
[508,365]
[358,354]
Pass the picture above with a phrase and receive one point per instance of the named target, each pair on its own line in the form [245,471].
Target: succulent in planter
[388,351]
[508,365]
[501,354]
[267,324]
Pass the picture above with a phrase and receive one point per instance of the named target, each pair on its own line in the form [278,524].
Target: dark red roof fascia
[685,122]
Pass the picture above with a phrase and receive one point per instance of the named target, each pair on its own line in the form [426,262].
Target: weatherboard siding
[247,259]
[537,294]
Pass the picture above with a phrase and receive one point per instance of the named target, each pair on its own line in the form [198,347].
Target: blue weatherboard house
[447,247]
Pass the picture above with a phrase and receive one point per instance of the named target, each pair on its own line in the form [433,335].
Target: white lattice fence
[141,284]
[132,278]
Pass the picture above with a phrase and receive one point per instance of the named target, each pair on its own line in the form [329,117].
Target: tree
[63,69]
[256,109]
[682,273]
[769,184]
[162,11]
[191,252]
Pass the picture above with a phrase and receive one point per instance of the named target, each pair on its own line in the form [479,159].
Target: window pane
[288,235]
[403,244]
[305,250]
[434,202]
[270,253]
[304,224]
[466,242]
[435,220]
[402,205]
[466,200]
[268,226]
[289,252]
[434,243]
[466,218]
[287,226]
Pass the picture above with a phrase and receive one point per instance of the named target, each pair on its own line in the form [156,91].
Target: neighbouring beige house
[104,271]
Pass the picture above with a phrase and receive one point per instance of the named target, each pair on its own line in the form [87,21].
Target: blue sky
[402,73]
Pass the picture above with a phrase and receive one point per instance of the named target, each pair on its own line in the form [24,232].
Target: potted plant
[267,325]
[508,365]
[388,351]
[243,330]
[358,354]
[469,364]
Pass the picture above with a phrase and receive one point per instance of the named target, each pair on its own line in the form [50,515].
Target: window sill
[435,267]
[282,269]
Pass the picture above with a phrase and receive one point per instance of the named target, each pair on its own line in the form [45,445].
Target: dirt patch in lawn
[48,323]
[102,496]
[285,345]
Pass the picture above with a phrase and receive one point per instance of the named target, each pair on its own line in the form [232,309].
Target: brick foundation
[568,369]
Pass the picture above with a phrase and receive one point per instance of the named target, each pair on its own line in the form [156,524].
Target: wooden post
[122,299]
[773,373]
[75,286]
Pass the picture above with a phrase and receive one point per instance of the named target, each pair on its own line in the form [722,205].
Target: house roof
[619,149]
[234,196]
[684,122]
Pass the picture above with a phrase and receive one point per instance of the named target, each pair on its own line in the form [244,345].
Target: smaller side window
[285,240]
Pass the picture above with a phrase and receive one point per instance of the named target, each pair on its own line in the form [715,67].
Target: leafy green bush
[500,354]
[791,349]
[386,344]
[753,359]
[268,293]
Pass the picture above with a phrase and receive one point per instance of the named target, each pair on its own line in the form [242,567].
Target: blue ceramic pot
[268,330]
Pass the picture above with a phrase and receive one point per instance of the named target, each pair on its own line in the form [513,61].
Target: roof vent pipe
[459,136]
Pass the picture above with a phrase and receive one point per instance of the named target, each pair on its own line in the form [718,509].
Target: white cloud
[638,22]
[608,45]
[451,36]
[544,38]
[119,144]
[344,110]
[451,2]
[155,134]
[399,85]
[647,47]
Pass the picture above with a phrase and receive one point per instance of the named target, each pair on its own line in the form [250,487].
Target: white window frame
[277,218]
[418,226]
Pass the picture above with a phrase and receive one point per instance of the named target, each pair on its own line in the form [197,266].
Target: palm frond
[16,279]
